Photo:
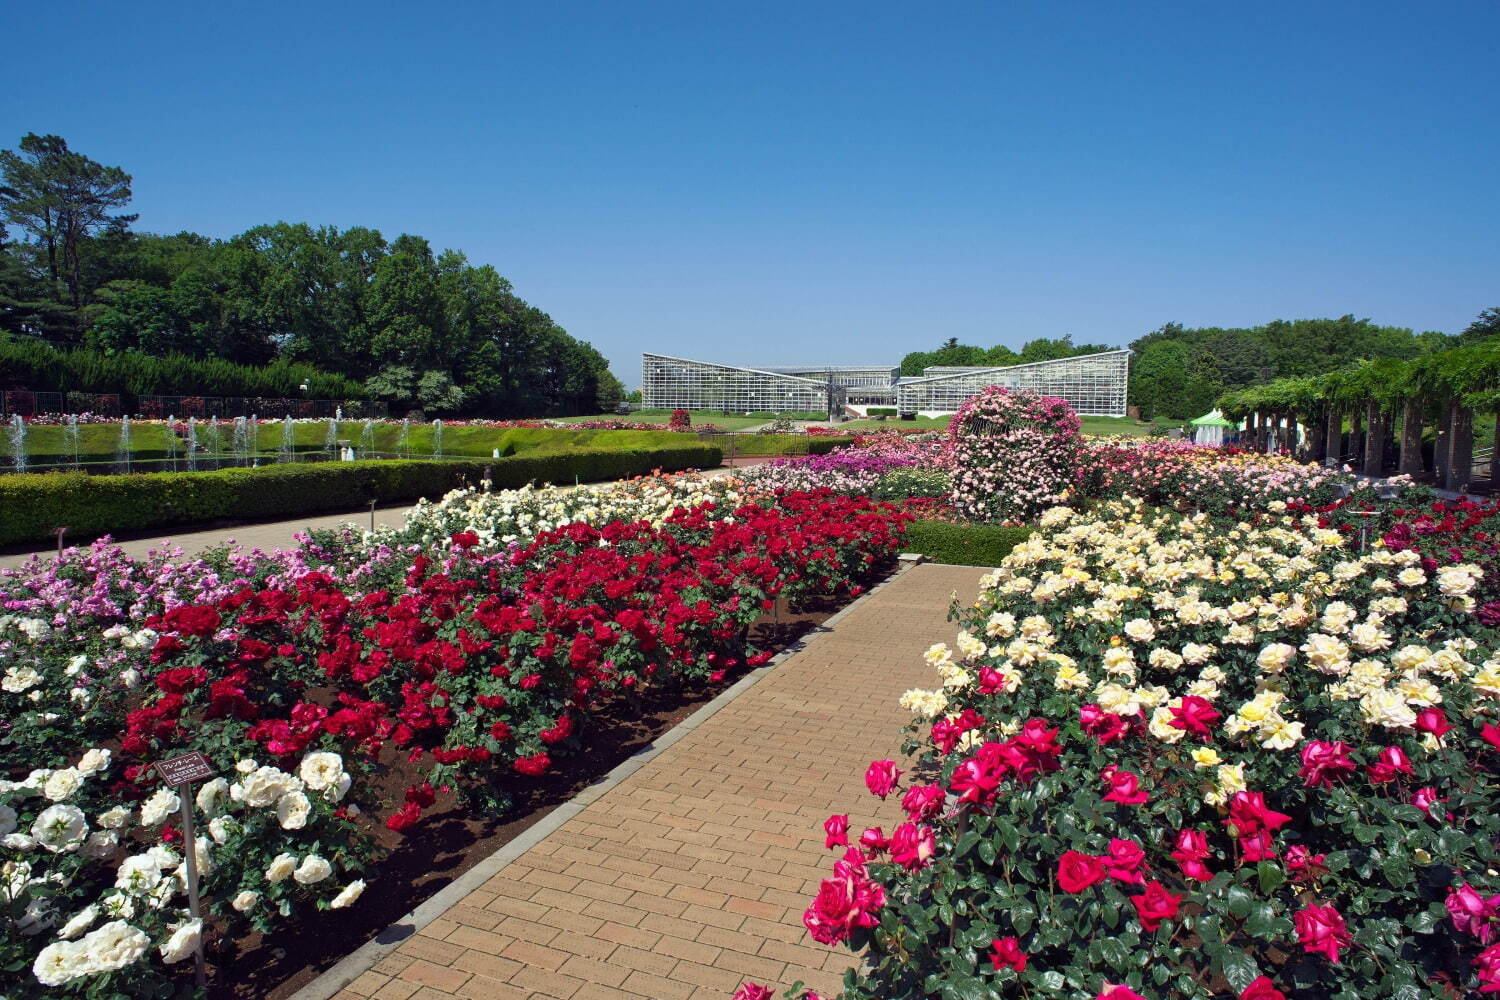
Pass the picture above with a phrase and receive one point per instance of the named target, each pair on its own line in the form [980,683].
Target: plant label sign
[188,768]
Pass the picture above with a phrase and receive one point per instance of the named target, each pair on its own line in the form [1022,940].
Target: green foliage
[90,505]
[1179,372]
[953,353]
[963,544]
[133,374]
[881,411]
[430,331]
[902,484]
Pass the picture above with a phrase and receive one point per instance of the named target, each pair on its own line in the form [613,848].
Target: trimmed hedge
[32,505]
[881,411]
[963,544]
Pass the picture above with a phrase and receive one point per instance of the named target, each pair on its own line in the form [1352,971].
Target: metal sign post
[180,773]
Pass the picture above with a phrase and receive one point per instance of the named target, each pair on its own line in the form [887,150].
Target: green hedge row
[963,544]
[33,505]
[40,366]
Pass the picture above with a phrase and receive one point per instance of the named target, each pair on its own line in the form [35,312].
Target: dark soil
[451,839]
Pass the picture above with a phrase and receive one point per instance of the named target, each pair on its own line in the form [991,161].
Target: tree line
[1177,372]
[414,326]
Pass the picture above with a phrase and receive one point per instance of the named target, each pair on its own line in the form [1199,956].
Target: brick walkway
[691,875]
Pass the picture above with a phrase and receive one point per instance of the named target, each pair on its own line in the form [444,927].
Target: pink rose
[881,777]
[923,801]
[1323,761]
[836,832]
[1124,787]
[1391,763]
[1123,862]
[1321,931]
[1191,851]
[1472,913]
[913,846]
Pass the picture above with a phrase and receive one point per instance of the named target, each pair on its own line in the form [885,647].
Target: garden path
[690,875]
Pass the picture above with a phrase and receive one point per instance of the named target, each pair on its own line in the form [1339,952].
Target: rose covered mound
[1174,757]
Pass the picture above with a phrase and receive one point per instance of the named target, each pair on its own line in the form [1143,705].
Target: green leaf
[1240,969]
[1271,876]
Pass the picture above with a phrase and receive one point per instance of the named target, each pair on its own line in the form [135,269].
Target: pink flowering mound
[1014,454]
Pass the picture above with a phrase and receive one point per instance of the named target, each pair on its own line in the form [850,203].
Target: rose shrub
[1173,756]
[1013,453]
[477,658]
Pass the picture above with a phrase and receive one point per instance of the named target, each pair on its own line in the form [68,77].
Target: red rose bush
[475,659]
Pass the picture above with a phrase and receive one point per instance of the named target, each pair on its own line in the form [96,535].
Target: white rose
[292,810]
[61,784]
[348,896]
[114,946]
[58,963]
[100,844]
[220,827]
[245,901]
[211,797]
[138,873]
[281,866]
[114,819]
[313,869]
[93,762]
[76,664]
[60,828]
[18,841]
[130,678]
[7,820]
[78,923]
[182,943]
[340,788]
[20,679]
[321,770]
[159,806]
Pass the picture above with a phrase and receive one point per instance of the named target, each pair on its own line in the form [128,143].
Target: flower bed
[477,660]
[851,471]
[1174,757]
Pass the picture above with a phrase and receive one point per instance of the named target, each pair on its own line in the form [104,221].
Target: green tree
[64,199]
[1485,325]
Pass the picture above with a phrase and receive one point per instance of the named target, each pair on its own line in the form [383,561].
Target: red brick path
[692,874]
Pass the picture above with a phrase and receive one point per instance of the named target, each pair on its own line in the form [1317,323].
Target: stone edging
[367,955]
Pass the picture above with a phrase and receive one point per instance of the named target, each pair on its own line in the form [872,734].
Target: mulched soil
[451,839]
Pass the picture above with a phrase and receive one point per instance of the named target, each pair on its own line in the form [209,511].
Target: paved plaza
[691,875]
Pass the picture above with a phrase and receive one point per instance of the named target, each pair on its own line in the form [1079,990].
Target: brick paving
[691,875]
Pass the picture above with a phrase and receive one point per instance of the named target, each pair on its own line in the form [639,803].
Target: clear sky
[818,182]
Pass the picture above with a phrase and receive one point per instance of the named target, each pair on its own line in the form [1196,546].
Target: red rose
[534,765]
[1191,851]
[1391,763]
[923,801]
[1123,862]
[1261,988]
[1006,953]
[913,846]
[1432,720]
[1124,787]
[1321,931]
[1077,871]
[1155,905]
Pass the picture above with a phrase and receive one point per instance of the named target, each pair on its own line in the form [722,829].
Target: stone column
[1374,438]
[1460,446]
[1440,443]
[1495,453]
[1317,442]
[1411,438]
[1333,438]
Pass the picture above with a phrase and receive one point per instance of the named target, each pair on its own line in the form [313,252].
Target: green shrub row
[33,505]
[964,544]
[41,367]
[881,411]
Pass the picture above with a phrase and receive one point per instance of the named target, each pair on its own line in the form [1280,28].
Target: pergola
[1387,406]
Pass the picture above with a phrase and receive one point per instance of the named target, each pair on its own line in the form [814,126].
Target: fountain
[17,434]
[331,439]
[403,441]
[284,450]
[437,439]
[240,442]
[213,440]
[169,452]
[122,450]
[70,438]
[192,444]
[367,439]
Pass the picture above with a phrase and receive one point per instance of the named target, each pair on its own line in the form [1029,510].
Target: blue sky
[795,182]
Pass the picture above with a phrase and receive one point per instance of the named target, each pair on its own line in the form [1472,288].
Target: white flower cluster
[1185,605]
[517,516]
